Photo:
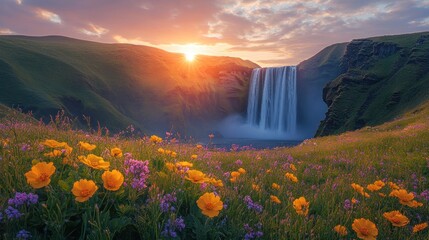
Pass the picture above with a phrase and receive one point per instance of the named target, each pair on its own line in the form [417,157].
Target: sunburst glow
[190,51]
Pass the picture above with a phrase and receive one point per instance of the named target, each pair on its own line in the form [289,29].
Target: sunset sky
[268,32]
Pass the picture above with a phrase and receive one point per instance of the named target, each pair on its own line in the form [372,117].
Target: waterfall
[272,99]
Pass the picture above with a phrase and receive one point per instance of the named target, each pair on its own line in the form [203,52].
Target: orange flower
[377,185]
[396,218]
[365,229]
[405,198]
[394,186]
[256,187]
[241,170]
[216,183]
[358,188]
[292,167]
[84,189]
[54,153]
[112,180]
[210,204]
[196,176]
[199,146]
[86,146]
[291,177]
[116,152]
[173,154]
[40,174]
[235,174]
[194,156]
[275,199]
[420,227]
[184,164]
[275,186]
[161,150]
[155,139]
[53,143]
[301,206]
[341,230]
[170,166]
[95,162]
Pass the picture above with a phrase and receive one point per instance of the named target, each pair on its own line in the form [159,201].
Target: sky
[268,32]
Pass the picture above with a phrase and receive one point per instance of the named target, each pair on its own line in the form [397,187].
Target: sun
[189,56]
[191,51]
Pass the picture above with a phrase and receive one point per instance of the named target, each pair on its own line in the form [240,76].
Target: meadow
[61,183]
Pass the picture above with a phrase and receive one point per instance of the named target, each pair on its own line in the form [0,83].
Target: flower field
[59,183]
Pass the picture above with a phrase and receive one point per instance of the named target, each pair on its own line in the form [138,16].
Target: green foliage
[325,167]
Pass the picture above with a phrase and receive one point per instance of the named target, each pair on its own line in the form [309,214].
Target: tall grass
[166,207]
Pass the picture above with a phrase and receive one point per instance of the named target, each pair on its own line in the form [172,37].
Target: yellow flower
[241,170]
[341,230]
[301,206]
[291,177]
[405,198]
[86,146]
[53,143]
[235,174]
[116,152]
[275,186]
[275,199]
[196,176]
[194,156]
[292,167]
[365,229]
[420,227]
[84,189]
[358,188]
[40,174]
[155,139]
[94,161]
[396,218]
[112,180]
[210,204]
[161,150]
[184,164]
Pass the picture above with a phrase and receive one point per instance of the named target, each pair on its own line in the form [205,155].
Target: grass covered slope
[119,84]
[257,200]
[381,78]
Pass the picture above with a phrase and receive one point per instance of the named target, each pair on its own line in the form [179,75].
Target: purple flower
[166,202]
[23,234]
[348,205]
[171,227]
[137,171]
[251,233]
[252,205]
[22,198]
[239,162]
[1,216]
[25,147]
[13,213]
[425,194]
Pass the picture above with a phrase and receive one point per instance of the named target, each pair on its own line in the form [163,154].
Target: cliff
[380,78]
[120,84]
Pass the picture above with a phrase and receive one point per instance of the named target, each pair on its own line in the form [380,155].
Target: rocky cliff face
[380,78]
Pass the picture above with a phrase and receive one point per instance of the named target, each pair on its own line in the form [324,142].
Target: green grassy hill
[119,84]
[381,78]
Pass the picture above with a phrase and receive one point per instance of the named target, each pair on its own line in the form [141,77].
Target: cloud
[280,32]
[94,30]
[47,15]
[6,31]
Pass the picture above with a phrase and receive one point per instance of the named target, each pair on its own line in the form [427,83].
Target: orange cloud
[47,15]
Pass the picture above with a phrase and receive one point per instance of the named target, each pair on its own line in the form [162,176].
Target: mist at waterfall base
[271,110]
